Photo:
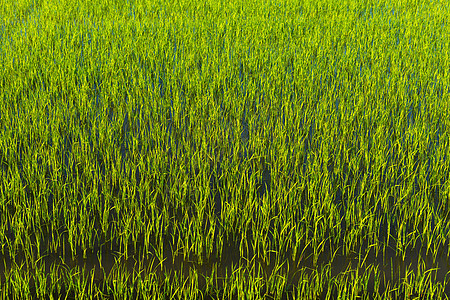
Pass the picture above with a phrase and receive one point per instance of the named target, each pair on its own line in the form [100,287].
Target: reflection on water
[101,261]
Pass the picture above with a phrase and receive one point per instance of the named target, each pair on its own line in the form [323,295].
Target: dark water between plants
[391,267]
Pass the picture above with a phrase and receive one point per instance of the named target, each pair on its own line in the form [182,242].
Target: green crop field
[258,149]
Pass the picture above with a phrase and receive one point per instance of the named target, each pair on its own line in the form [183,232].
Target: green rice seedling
[245,133]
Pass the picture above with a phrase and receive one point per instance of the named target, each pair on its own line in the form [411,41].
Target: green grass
[224,149]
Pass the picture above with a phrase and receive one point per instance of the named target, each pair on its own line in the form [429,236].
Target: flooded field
[258,150]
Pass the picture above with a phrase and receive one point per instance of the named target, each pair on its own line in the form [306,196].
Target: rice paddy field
[260,149]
